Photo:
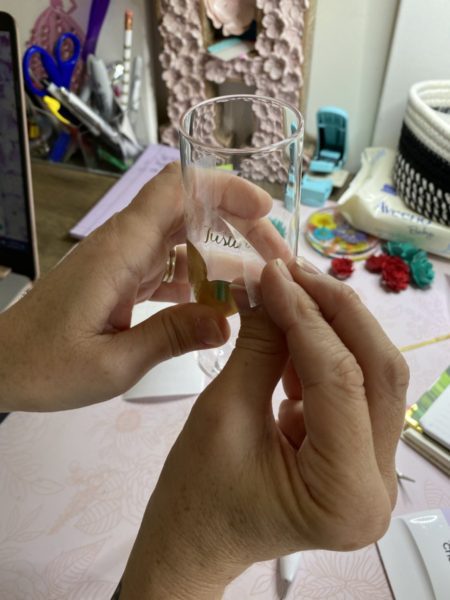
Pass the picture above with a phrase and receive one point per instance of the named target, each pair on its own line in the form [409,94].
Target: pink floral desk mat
[74,485]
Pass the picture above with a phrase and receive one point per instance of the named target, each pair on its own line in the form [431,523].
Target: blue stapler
[331,150]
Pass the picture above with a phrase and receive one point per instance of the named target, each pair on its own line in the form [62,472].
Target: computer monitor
[18,249]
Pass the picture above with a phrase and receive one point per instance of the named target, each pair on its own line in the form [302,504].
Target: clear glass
[241,159]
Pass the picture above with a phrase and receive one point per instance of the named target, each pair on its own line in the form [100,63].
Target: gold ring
[170,267]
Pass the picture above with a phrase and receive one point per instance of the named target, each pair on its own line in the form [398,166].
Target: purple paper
[151,161]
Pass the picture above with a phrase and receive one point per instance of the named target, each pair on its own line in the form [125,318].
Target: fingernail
[283,269]
[209,332]
[306,266]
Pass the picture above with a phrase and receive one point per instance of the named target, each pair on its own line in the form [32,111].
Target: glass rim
[217,149]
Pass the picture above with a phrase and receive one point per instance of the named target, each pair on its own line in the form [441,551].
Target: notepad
[151,161]
[428,423]
[436,421]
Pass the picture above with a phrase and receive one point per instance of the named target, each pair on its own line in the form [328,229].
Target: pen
[96,125]
[288,566]
[101,86]
[127,43]
[136,84]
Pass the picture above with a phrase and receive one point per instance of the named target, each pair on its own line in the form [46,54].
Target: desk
[74,485]
[62,195]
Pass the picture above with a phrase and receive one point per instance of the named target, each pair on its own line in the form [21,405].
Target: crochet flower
[342,268]
[350,235]
[375,263]
[395,273]
[422,272]
[323,219]
[323,233]
[403,249]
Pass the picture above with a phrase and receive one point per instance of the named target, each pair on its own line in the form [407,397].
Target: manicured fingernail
[284,270]
[306,266]
[209,332]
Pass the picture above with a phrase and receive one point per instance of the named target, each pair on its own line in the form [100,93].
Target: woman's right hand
[240,487]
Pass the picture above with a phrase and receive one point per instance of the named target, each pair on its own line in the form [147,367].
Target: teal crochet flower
[278,224]
[323,233]
[404,250]
[422,271]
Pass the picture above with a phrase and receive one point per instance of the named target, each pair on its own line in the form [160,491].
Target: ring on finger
[169,273]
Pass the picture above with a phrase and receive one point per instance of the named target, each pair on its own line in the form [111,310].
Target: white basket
[422,169]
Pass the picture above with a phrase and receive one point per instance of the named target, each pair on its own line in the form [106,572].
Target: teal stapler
[331,150]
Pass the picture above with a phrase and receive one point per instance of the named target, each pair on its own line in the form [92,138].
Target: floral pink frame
[278,69]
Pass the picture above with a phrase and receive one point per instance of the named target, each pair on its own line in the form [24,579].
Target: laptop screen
[16,216]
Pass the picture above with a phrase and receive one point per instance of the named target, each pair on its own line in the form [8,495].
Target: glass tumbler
[241,162]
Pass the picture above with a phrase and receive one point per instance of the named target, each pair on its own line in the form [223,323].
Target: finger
[177,290]
[171,332]
[334,404]
[217,197]
[253,370]
[384,368]
[263,237]
[136,241]
[179,293]
[160,206]
[291,422]
[291,383]
[213,188]
[290,414]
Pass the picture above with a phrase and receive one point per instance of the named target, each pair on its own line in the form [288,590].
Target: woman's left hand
[68,343]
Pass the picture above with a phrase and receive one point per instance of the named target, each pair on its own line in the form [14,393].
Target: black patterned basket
[422,168]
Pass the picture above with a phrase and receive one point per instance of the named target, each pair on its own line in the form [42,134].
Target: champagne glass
[241,162]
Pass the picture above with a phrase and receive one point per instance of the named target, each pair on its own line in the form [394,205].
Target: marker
[136,84]
[127,44]
[94,122]
[288,566]
[122,144]
[101,86]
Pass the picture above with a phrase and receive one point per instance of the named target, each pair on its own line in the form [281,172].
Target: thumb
[170,332]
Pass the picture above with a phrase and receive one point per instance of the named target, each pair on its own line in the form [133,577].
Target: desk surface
[74,485]
[62,196]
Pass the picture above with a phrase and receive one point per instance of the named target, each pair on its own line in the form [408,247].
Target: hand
[68,343]
[239,487]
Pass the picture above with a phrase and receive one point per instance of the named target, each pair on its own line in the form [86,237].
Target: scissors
[59,70]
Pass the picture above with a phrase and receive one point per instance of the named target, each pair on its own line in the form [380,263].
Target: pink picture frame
[278,67]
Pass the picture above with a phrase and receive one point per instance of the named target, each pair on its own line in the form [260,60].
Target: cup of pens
[241,162]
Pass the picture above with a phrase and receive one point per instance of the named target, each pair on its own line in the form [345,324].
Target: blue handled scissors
[59,70]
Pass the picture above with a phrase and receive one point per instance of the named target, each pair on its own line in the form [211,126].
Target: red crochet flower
[375,263]
[342,268]
[395,273]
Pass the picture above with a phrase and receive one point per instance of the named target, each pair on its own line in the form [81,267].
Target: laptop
[18,248]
